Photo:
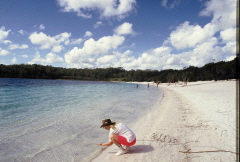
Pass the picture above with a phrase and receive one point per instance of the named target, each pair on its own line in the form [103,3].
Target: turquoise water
[59,120]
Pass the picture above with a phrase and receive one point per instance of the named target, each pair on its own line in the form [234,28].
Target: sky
[133,34]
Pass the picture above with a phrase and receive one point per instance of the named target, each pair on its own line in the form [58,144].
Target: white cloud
[7,42]
[55,43]
[85,57]
[117,59]
[14,60]
[158,58]
[230,49]
[50,58]
[199,43]
[124,29]
[22,32]
[164,3]
[188,36]
[106,8]
[187,45]
[88,34]
[41,27]
[171,5]
[48,42]
[103,45]
[3,52]
[99,23]
[223,12]
[229,34]
[199,46]
[108,59]
[3,34]
[36,59]
[204,53]
[74,41]
[224,21]
[163,58]
[17,46]
[24,56]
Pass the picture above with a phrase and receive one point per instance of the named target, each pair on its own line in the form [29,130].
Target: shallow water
[59,120]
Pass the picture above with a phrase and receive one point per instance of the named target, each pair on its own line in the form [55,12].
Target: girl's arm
[105,144]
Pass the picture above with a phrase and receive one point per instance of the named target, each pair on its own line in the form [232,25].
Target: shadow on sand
[140,149]
[137,149]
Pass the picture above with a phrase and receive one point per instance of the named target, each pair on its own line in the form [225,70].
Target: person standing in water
[120,135]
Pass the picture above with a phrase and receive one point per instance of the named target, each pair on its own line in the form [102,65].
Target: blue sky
[133,34]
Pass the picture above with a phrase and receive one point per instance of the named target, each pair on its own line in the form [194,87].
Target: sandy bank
[198,118]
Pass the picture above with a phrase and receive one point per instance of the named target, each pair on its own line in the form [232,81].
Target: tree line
[212,71]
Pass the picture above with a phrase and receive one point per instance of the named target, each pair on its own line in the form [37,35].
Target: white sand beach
[196,122]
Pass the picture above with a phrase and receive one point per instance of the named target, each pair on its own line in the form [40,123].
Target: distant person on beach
[148,85]
[137,85]
[158,83]
[120,135]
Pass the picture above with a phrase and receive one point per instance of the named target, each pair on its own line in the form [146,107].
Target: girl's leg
[114,139]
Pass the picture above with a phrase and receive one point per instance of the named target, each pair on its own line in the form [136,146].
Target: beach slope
[196,122]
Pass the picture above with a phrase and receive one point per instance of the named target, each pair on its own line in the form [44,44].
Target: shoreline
[196,122]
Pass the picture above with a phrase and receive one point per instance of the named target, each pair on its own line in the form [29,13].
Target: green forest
[212,71]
